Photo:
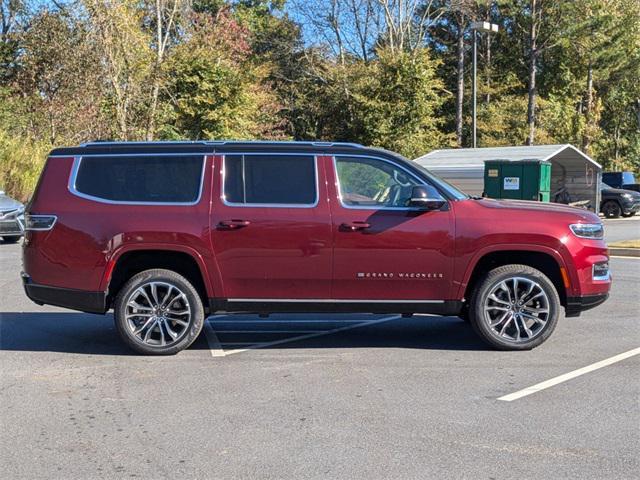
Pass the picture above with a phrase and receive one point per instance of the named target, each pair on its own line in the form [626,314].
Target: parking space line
[568,376]
[313,335]
[624,256]
[212,340]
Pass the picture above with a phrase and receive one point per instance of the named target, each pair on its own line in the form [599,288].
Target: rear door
[270,226]
[385,251]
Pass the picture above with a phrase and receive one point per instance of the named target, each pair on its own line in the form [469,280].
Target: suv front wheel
[158,312]
[515,307]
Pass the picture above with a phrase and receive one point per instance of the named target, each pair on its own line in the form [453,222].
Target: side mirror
[420,199]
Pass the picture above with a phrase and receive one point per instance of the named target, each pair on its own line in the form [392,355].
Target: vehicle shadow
[89,334]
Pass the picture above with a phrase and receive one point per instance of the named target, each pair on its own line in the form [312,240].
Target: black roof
[207,146]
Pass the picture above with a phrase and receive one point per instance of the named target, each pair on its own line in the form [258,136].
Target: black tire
[480,322]
[193,302]
[611,209]
[11,239]
[627,215]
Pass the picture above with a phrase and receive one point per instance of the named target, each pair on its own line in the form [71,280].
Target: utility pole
[475,28]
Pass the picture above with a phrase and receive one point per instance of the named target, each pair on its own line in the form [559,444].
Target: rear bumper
[576,305]
[82,300]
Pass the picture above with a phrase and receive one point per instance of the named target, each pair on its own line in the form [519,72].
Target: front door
[385,250]
[270,227]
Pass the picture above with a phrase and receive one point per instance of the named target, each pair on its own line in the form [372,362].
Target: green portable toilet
[522,179]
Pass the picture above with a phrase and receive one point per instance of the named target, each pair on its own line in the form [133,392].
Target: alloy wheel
[158,314]
[517,309]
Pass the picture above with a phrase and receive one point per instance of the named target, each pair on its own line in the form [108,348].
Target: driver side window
[370,182]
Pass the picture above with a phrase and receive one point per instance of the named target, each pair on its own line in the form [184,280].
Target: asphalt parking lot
[316,396]
[619,229]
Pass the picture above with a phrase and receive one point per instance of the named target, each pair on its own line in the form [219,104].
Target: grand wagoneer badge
[401,275]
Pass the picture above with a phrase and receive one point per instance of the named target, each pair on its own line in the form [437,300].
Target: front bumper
[576,305]
[630,207]
[11,227]
[82,300]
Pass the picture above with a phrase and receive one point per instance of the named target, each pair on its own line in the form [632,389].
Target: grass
[626,244]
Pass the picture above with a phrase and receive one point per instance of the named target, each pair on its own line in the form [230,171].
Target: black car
[616,202]
[623,180]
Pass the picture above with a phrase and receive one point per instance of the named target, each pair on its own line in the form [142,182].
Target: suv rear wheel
[515,307]
[158,312]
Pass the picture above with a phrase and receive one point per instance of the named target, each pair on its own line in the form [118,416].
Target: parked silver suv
[11,219]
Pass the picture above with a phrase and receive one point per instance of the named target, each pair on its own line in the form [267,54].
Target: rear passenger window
[149,179]
[270,179]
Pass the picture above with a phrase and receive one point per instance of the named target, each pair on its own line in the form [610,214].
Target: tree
[215,92]
[126,54]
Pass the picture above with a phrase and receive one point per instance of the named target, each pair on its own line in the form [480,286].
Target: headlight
[628,196]
[588,230]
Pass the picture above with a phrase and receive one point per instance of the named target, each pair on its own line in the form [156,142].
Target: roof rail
[221,142]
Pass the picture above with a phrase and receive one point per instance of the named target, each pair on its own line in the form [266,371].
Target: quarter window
[270,179]
[370,182]
[145,179]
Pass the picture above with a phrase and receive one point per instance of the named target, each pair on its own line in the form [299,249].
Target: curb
[625,252]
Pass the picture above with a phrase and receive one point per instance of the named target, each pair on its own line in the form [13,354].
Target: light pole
[476,27]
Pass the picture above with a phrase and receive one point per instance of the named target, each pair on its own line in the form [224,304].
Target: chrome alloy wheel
[517,309]
[158,314]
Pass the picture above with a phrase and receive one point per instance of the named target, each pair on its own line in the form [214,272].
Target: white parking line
[568,376]
[212,339]
[312,335]
[624,256]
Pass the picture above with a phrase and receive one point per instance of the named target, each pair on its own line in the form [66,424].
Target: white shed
[570,168]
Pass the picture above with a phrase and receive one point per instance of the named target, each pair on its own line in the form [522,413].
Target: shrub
[21,161]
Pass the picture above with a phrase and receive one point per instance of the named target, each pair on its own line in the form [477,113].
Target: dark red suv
[168,233]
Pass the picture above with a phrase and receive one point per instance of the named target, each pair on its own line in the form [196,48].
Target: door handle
[233,224]
[354,226]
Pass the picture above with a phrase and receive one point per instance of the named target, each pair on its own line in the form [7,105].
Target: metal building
[575,176]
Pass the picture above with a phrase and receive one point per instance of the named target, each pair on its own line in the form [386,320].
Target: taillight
[39,222]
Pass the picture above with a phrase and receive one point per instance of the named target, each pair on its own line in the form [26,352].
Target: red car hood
[581,214]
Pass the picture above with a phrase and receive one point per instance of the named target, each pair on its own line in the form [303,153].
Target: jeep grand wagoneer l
[168,233]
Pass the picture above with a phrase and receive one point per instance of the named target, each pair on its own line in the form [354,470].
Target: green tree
[215,91]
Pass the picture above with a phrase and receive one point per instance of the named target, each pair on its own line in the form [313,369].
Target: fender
[115,256]
[502,247]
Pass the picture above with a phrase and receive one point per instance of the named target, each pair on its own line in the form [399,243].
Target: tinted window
[270,179]
[174,179]
[368,182]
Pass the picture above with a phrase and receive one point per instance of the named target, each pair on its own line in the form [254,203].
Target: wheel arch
[545,259]
[129,261]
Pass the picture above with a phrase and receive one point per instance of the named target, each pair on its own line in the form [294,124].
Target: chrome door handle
[354,226]
[233,224]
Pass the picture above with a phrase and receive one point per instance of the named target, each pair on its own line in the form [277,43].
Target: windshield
[443,184]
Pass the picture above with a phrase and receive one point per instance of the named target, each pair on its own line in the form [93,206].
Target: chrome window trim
[77,160]
[269,205]
[364,207]
[327,300]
